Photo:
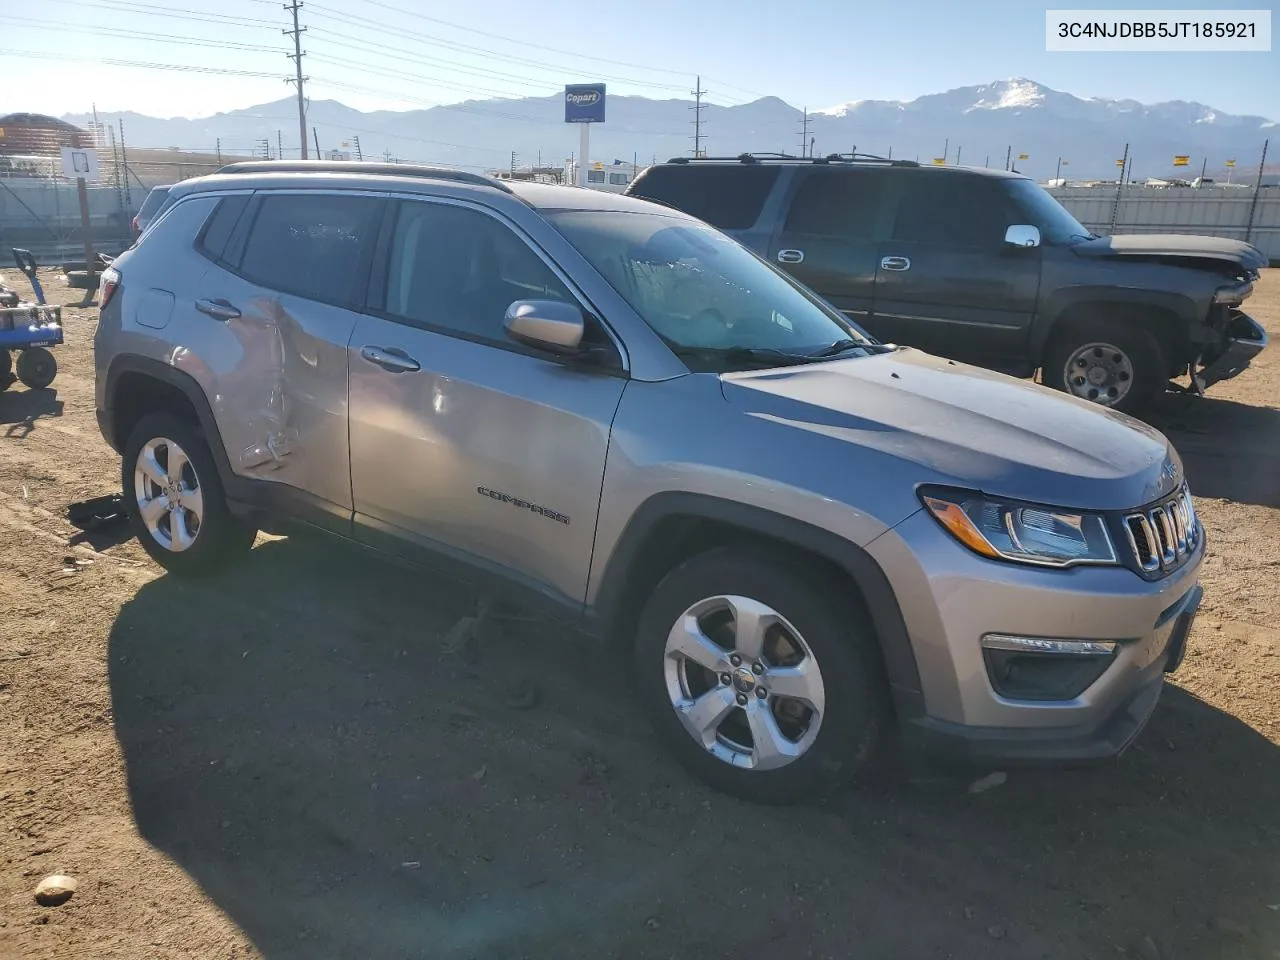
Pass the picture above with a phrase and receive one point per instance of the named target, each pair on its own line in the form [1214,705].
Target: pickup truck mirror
[1022,235]
[547,324]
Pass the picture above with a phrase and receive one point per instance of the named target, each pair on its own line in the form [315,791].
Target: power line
[382,28]
[298,78]
[415,77]
[170,38]
[148,65]
[169,13]
[518,42]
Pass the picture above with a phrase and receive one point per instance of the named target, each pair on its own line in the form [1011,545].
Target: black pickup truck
[986,267]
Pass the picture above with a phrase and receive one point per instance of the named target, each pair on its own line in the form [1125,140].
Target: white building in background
[613,176]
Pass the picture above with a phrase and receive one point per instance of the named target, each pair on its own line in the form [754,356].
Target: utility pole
[513,163]
[219,149]
[890,152]
[1257,189]
[359,152]
[804,132]
[124,162]
[293,7]
[698,94]
[316,135]
[280,145]
[987,161]
[1115,207]
[1204,166]
[265,146]
[959,147]
[946,149]
[1008,157]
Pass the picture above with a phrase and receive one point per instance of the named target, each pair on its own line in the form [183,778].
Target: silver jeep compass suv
[811,540]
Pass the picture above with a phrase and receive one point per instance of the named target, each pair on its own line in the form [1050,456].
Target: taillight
[108,284]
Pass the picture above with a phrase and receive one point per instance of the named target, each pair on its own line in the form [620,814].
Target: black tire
[36,368]
[220,537]
[1150,369]
[6,370]
[837,632]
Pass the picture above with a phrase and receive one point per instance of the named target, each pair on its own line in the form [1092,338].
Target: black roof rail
[791,158]
[361,166]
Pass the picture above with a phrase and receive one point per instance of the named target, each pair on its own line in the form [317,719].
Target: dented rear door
[276,314]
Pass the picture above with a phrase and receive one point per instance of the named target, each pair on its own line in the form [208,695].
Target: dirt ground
[292,762]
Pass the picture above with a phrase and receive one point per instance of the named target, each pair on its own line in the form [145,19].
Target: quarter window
[311,245]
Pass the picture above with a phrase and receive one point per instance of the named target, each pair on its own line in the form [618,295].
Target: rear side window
[837,203]
[154,199]
[311,245]
[951,209]
[213,241]
[728,197]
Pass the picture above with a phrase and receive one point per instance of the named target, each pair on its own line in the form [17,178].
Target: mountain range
[976,125]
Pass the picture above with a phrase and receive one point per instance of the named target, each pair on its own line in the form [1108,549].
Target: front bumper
[951,598]
[1246,339]
[1098,737]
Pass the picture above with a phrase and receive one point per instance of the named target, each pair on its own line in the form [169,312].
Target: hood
[1174,246]
[969,427]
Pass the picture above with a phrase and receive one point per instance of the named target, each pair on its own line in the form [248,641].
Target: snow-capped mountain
[982,124]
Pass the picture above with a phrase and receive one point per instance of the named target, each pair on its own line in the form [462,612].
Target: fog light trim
[1015,644]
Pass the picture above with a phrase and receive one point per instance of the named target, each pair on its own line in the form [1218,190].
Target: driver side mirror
[1022,235]
[550,325]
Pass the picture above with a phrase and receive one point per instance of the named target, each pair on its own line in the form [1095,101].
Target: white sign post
[81,165]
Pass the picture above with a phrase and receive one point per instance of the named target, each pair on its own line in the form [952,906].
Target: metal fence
[1234,213]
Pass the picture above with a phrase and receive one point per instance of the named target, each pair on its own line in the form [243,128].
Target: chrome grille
[1164,535]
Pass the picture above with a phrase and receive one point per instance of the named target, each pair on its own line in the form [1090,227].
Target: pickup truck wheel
[1114,364]
[763,683]
[174,498]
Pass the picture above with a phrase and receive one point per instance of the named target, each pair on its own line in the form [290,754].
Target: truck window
[842,204]
[728,197]
[937,207]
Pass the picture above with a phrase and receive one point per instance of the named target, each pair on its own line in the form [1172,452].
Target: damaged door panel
[273,332]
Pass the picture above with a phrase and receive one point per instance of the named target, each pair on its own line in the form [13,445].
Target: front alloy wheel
[744,683]
[760,671]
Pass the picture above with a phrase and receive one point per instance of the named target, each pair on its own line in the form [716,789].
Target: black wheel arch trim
[882,604]
[1065,299]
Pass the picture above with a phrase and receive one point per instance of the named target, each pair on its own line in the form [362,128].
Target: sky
[403,54]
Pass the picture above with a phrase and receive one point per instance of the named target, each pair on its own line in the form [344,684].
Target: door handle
[218,309]
[895,263]
[791,256]
[390,358]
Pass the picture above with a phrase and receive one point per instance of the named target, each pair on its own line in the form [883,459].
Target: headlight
[1021,532]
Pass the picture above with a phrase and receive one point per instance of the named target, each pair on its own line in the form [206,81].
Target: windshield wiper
[839,347]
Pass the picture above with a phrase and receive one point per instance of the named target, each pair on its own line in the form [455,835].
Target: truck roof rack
[791,158]
[361,166]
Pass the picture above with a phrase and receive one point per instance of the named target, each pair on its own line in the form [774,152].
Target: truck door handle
[390,358]
[895,263]
[218,309]
[791,256]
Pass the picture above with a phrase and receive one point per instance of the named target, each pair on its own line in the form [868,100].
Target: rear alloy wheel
[175,500]
[761,683]
[1112,364]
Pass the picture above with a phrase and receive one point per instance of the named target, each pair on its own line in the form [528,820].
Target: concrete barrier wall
[1218,211]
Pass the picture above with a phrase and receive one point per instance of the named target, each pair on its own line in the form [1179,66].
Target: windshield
[1056,225]
[714,303]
